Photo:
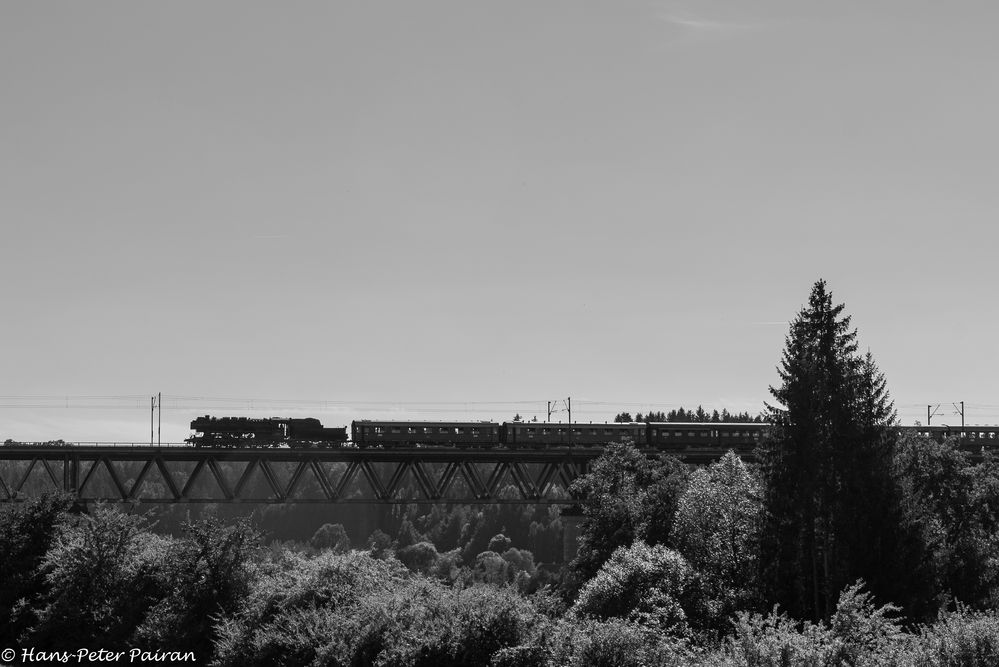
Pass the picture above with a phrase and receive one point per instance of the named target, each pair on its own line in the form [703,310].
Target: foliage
[380,544]
[331,536]
[647,584]
[300,606]
[700,415]
[625,497]
[830,498]
[408,534]
[27,530]
[952,507]
[207,574]
[106,581]
[513,566]
[858,633]
[959,639]
[586,642]
[426,624]
[100,580]
[353,609]
[423,558]
[500,543]
[716,529]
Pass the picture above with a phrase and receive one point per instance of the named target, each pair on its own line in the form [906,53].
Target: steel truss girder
[367,476]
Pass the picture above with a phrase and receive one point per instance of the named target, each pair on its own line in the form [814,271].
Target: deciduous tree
[626,496]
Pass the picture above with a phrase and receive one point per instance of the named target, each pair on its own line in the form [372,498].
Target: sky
[462,210]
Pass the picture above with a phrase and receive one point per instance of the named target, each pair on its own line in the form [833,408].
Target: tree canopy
[827,466]
[627,496]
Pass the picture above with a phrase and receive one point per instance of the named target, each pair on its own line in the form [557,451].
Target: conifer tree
[829,496]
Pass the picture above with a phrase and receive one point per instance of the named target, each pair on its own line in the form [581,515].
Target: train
[309,433]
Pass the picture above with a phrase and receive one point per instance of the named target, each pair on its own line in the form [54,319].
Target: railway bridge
[179,473]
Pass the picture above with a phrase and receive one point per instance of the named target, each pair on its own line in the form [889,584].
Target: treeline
[700,415]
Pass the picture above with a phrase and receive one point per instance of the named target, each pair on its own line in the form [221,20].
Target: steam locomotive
[245,432]
[228,432]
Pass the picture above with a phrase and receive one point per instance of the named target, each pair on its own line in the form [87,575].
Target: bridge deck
[412,475]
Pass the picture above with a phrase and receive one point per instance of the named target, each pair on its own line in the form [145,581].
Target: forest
[840,544]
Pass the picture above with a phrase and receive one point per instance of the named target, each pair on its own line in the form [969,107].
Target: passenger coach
[425,434]
[680,435]
[534,434]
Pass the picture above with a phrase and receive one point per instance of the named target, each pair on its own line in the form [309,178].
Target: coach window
[379,430]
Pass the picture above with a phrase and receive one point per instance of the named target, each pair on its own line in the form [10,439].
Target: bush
[427,624]
[959,639]
[304,610]
[207,573]
[857,634]
[862,631]
[646,584]
[331,536]
[419,557]
[587,642]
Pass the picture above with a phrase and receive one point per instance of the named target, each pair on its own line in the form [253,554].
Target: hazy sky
[385,203]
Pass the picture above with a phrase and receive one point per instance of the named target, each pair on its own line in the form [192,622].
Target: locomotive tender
[245,432]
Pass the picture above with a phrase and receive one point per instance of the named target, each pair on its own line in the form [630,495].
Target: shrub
[587,642]
[959,639]
[857,634]
[331,536]
[419,557]
[304,610]
[207,573]
[648,584]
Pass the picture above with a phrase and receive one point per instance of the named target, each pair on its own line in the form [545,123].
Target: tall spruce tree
[829,496]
